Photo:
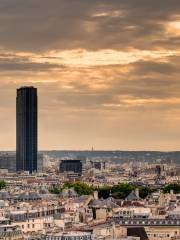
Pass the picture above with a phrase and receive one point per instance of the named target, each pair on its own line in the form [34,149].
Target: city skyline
[107,72]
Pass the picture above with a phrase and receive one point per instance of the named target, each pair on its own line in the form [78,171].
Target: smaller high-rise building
[40,163]
[74,166]
[8,161]
[158,170]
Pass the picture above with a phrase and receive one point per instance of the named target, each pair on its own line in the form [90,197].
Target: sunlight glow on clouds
[107,72]
[104,57]
[174,27]
[115,13]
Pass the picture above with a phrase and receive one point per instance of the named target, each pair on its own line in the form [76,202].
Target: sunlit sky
[107,72]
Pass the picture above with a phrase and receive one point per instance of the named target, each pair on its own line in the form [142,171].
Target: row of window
[28,226]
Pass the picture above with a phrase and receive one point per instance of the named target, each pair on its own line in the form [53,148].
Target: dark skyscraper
[26,129]
[71,166]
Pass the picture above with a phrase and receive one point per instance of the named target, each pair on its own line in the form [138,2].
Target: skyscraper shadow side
[26,129]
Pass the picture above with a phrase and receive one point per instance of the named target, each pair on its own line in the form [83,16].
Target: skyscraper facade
[71,166]
[26,129]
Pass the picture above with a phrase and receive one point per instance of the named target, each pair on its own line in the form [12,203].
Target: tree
[2,184]
[79,187]
[104,192]
[55,190]
[173,186]
[122,190]
[144,191]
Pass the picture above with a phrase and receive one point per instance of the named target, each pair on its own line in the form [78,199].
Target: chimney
[137,192]
[95,195]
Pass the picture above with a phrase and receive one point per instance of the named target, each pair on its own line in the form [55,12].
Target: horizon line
[95,150]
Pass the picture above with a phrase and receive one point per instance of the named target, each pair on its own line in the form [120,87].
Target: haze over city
[107,72]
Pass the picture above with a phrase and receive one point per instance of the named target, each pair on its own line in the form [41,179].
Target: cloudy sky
[107,72]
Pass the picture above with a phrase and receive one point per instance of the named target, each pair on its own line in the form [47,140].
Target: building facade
[8,161]
[71,166]
[26,129]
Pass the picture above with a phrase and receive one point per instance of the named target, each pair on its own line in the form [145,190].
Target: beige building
[108,231]
[163,233]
